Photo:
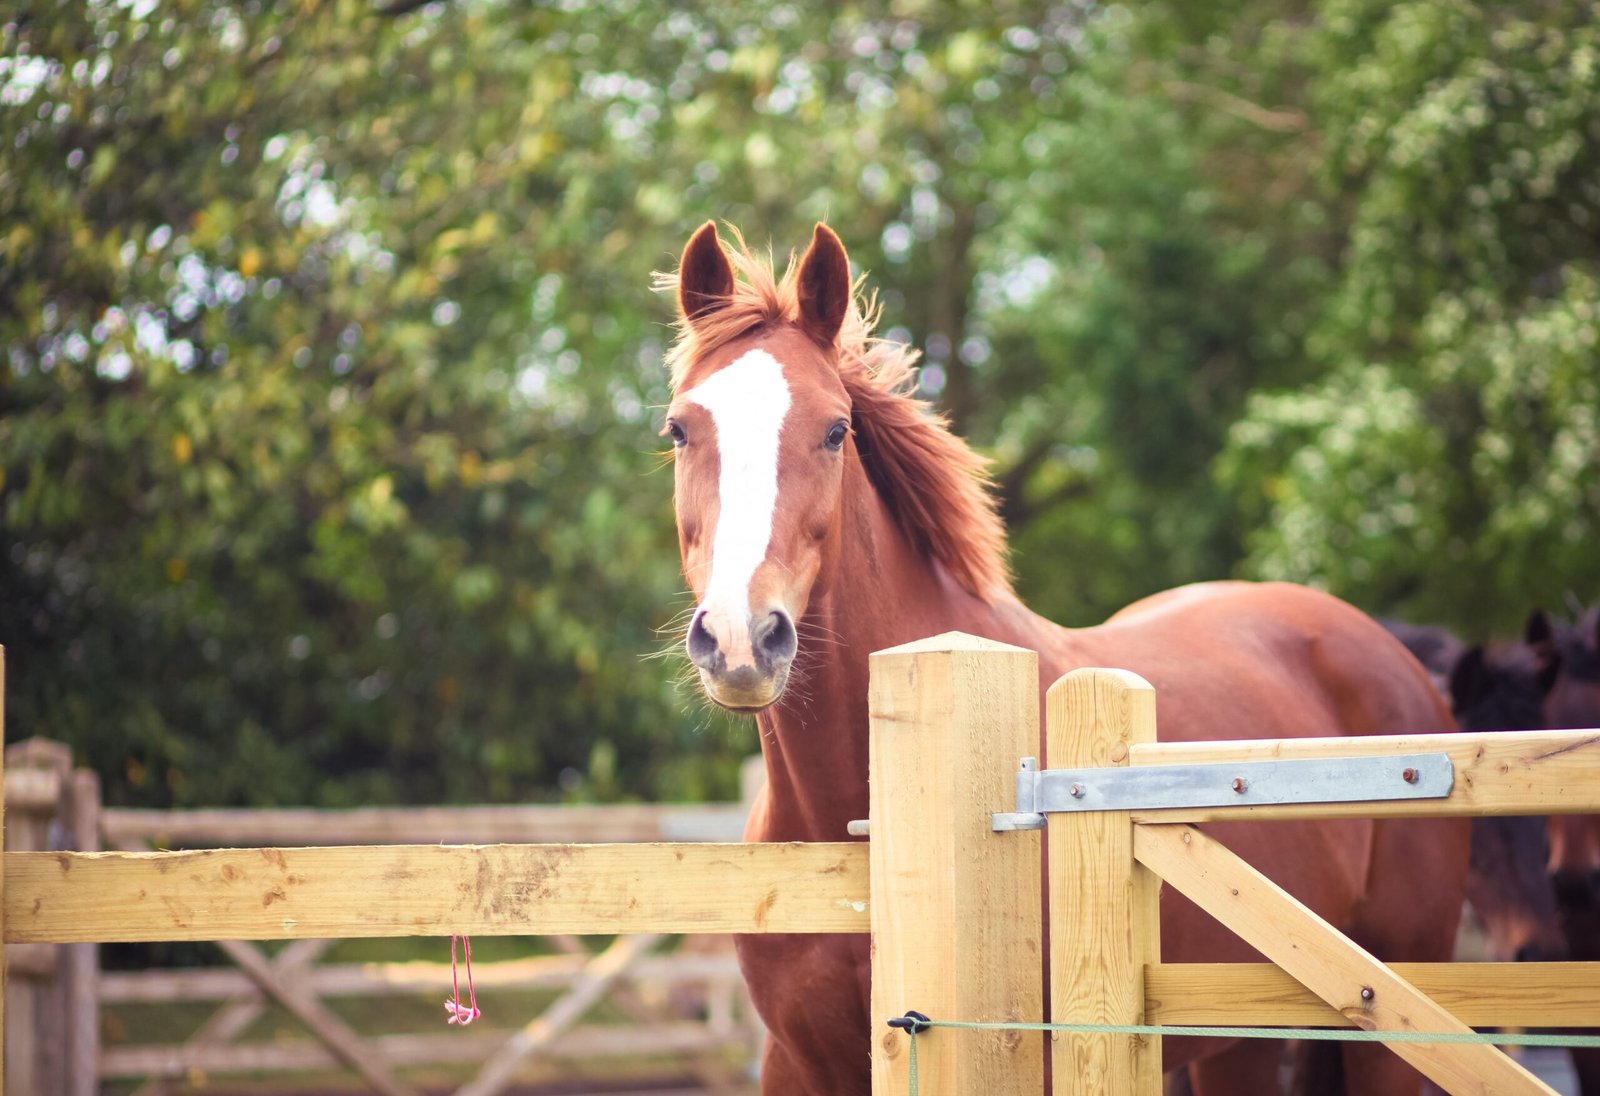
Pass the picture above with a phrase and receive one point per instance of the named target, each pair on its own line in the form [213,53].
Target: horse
[1499,688]
[1572,653]
[823,513]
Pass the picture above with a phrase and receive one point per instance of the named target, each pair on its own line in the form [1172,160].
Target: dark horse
[1534,882]
[823,514]
[1573,652]
[1499,688]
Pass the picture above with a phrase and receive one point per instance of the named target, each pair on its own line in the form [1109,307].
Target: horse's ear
[1537,632]
[1540,637]
[824,286]
[705,276]
[1469,679]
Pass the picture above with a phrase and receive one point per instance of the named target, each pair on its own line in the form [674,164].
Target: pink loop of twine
[459,1013]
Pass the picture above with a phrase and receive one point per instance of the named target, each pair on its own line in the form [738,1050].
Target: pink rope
[459,1013]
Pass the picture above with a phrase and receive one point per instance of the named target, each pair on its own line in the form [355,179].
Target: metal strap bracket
[1154,787]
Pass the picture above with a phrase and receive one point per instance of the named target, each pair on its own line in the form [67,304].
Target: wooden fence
[687,1013]
[1105,870]
[955,908]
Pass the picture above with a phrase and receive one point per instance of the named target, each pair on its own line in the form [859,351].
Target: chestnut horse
[823,514]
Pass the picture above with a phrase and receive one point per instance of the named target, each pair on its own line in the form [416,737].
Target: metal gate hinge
[1249,783]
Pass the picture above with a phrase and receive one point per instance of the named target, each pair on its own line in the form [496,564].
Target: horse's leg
[1318,1069]
[780,1076]
[1586,1065]
[1251,1067]
[1410,912]
[1580,921]
[1371,1069]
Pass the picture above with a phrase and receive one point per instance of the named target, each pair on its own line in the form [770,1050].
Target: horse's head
[1572,655]
[760,422]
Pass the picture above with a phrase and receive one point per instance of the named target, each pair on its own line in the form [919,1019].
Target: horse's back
[1238,660]
[1265,660]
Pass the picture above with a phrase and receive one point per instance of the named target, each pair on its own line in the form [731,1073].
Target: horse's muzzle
[743,665]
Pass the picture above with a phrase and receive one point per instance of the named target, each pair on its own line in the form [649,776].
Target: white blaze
[748,401]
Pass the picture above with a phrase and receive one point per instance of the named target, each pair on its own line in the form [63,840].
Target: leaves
[331,372]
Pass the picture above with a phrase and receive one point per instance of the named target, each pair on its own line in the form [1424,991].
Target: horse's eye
[676,431]
[836,434]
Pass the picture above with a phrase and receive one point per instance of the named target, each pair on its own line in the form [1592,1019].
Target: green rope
[1340,1035]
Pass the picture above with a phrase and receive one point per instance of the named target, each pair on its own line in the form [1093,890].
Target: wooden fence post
[81,962]
[1104,913]
[37,1017]
[955,907]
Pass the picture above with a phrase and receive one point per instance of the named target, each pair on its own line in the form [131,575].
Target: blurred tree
[331,372]
[1446,462]
[324,416]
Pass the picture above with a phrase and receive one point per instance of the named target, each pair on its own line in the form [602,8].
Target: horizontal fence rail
[126,828]
[361,979]
[586,1043]
[1496,773]
[434,890]
[1554,995]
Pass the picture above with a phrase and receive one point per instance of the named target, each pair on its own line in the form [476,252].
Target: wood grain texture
[434,890]
[1496,772]
[956,915]
[1327,963]
[1527,995]
[1104,914]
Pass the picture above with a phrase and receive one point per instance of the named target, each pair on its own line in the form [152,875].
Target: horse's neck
[880,593]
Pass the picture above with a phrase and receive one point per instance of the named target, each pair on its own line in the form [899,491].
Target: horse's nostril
[701,643]
[775,638]
[1543,951]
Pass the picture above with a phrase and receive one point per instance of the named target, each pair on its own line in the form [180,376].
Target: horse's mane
[935,485]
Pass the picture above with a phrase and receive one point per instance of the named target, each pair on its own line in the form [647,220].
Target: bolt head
[1239,784]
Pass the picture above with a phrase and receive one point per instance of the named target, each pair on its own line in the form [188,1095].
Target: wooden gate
[955,908]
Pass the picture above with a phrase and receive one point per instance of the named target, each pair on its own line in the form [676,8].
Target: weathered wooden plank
[1497,772]
[614,1043]
[1291,935]
[1525,995]
[526,824]
[32,790]
[956,921]
[433,890]
[82,961]
[1105,917]
[358,979]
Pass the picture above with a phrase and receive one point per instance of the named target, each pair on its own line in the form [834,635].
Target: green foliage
[331,375]
[325,478]
[1447,464]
